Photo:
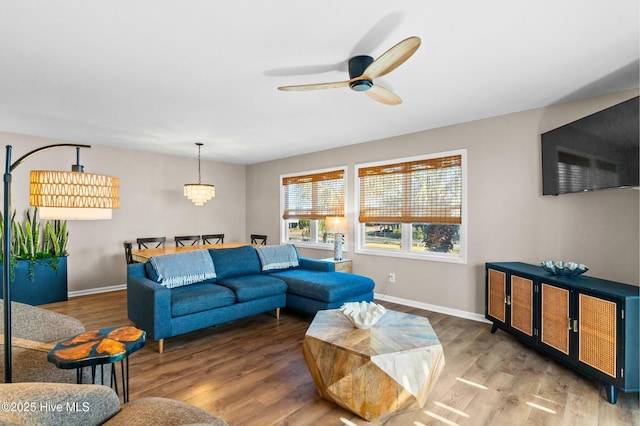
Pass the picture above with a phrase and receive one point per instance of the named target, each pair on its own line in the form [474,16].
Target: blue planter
[47,285]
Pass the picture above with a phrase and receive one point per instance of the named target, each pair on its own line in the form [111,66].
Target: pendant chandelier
[199,192]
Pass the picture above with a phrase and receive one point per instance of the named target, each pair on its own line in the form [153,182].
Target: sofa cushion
[199,297]
[251,287]
[178,269]
[278,257]
[235,262]
[325,286]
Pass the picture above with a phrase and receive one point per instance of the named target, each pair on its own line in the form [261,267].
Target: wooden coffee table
[373,372]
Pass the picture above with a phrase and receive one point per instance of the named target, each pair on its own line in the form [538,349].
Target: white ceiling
[159,75]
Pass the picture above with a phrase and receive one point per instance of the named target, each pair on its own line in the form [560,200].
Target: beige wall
[151,203]
[508,218]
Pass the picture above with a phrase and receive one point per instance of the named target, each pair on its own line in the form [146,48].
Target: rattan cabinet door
[496,295]
[554,318]
[522,304]
[597,330]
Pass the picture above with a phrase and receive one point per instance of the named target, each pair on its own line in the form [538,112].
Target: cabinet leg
[612,393]
[494,327]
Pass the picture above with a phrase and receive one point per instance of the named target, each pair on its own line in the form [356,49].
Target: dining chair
[259,239]
[159,242]
[195,239]
[128,246]
[213,239]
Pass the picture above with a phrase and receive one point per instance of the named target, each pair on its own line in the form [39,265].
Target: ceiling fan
[363,69]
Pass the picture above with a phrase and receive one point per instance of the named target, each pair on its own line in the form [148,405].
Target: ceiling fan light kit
[364,69]
[361,85]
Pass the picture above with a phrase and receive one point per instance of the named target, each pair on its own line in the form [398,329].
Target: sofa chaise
[178,293]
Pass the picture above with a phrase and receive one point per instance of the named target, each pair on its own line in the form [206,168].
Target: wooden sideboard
[588,324]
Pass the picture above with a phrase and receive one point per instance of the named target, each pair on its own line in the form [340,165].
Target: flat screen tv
[598,151]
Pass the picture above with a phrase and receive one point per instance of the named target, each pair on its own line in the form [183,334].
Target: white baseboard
[97,290]
[434,308]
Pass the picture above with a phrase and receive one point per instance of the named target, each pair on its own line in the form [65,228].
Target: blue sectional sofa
[183,292]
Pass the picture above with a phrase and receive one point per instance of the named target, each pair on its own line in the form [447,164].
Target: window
[413,207]
[306,200]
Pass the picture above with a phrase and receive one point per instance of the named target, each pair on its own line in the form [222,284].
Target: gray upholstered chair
[35,331]
[85,405]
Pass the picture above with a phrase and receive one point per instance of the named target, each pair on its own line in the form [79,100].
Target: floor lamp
[63,194]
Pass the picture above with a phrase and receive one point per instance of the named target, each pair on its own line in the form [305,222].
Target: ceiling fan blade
[383,95]
[334,85]
[392,58]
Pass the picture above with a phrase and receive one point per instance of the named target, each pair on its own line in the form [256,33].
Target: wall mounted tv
[595,152]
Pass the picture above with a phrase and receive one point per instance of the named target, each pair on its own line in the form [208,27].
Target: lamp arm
[6,246]
[43,148]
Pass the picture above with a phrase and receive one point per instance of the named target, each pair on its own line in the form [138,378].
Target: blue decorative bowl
[566,269]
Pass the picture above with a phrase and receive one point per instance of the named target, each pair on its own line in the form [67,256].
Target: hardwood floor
[251,372]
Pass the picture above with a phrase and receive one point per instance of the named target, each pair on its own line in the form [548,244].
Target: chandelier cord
[199,174]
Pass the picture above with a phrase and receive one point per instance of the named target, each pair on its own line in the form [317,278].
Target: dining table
[143,255]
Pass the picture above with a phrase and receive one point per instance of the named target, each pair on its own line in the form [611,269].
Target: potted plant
[38,260]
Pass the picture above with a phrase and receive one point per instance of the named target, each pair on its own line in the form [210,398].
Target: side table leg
[124,369]
[124,375]
[114,381]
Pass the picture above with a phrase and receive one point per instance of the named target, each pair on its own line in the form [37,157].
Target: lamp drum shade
[336,224]
[64,195]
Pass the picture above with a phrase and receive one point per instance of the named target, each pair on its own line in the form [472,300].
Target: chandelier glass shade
[199,193]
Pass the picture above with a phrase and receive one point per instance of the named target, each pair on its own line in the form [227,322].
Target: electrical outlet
[392,278]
